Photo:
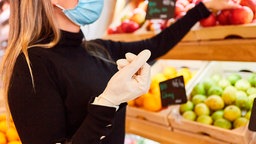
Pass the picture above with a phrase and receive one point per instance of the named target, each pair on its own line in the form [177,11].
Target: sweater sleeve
[165,40]
[39,113]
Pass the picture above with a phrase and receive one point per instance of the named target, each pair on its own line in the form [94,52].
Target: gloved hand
[131,81]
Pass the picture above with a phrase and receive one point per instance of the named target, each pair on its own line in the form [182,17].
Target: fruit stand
[227,46]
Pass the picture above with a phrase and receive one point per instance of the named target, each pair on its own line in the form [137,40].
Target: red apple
[209,21]
[112,30]
[250,3]
[223,17]
[241,15]
[129,26]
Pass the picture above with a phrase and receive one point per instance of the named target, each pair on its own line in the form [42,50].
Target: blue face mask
[85,12]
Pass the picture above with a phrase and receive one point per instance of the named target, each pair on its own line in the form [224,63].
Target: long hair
[30,21]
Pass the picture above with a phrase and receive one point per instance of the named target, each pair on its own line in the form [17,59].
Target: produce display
[8,132]
[151,101]
[223,101]
[135,19]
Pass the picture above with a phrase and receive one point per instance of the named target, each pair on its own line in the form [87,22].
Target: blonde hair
[31,21]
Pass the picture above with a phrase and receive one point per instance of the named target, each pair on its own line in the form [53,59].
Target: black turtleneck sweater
[67,79]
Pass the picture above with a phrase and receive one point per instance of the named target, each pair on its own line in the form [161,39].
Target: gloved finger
[121,63]
[143,78]
[137,63]
[130,56]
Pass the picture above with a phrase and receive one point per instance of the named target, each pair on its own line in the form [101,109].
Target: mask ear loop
[57,5]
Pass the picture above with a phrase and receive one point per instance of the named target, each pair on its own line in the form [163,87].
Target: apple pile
[131,21]
[243,15]
[151,101]
[222,101]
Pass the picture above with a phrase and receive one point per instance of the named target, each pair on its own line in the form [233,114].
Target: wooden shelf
[220,50]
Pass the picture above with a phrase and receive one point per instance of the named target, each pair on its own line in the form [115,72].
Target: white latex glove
[131,81]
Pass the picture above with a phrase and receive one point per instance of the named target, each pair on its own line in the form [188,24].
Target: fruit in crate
[232,112]
[242,15]
[202,109]
[128,26]
[250,3]
[209,21]
[229,95]
[151,101]
[223,123]
[230,107]
[214,102]
[189,115]
[204,119]
[241,121]
[188,106]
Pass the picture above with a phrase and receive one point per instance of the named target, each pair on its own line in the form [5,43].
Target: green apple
[214,90]
[242,100]
[204,119]
[252,79]
[198,89]
[188,106]
[223,83]
[233,78]
[229,95]
[217,114]
[189,115]
[223,123]
[201,109]
[239,122]
[242,84]
[215,102]
[232,112]
[251,90]
[208,83]
[196,99]
[216,77]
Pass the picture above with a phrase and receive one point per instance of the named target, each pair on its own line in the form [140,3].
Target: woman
[61,89]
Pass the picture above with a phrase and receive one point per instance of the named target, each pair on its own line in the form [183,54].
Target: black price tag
[252,122]
[173,91]
[160,9]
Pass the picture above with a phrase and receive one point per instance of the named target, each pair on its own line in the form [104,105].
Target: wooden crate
[167,135]
[235,136]
[160,117]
